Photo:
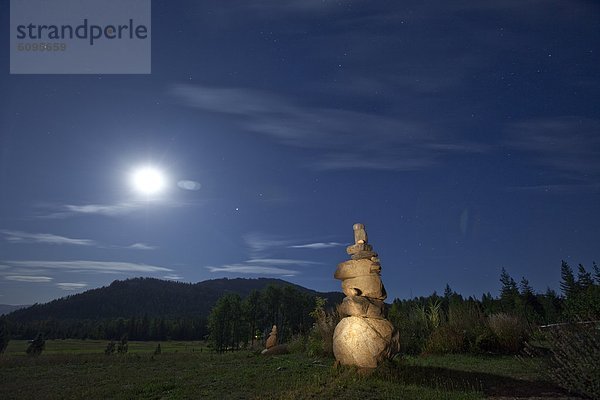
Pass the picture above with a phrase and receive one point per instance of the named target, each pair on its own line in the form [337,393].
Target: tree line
[235,322]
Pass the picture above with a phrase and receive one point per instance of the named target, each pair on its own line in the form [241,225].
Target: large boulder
[364,342]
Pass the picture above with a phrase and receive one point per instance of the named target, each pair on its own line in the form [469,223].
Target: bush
[110,348]
[575,357]
[446,339]
[413,327]
[487,342]
[36,346]
[510,332]
[4,336]
[297,344]
[123,346]
[320,339]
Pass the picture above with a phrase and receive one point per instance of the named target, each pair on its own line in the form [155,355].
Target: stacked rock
[363,338]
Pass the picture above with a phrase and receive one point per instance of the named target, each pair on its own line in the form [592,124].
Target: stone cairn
[364,338]
[272,339]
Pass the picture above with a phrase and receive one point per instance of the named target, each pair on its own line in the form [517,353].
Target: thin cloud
[568,143]
[173,277]
[141,246]
[46,238]
[252,270]
[281,261]
[258,243]
[393,144]
[71,286]
[318,245]
[111,210]
[89,266]
[25,278]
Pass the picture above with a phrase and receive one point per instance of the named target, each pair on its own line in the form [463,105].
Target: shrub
[320,339]
[446,339]
[487,342]
[297,344]
[469,319]
[110,348]
[36,346]
[123,346]
[510,332]
[4,336]
[575,357]
[413,327]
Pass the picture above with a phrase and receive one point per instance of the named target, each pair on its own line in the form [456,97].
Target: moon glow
[148,180]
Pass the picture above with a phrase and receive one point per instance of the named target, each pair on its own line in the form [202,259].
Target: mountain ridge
[152,297]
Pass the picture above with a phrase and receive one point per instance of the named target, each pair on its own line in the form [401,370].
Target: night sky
[465,135]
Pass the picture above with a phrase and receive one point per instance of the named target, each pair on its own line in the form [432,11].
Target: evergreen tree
[123,346]
[4,334]
[596,273]
[110,348]
[568,285]
[36,346]
[584,278]
[509,293]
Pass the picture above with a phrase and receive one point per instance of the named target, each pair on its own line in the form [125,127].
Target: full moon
[148,180]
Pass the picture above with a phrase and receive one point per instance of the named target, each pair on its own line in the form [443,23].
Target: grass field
[73,369]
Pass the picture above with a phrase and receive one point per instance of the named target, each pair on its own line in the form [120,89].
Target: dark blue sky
[465,136]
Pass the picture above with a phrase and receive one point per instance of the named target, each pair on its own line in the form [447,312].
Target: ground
[72,369]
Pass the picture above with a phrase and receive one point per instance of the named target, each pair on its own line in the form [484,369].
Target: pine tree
[36,346]
[568,285]
[509,293]
[4,335]
[123,346]
[596,273]
[110,348]
[584,278]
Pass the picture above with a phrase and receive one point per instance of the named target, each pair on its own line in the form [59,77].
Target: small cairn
[272,348]
[363,338]
[272,339]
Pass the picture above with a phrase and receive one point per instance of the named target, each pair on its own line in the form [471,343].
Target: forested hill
[153,298]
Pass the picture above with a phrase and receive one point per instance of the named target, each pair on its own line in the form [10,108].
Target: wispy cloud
[281,261]
[47,238]
[89,266]
[258,243]
[252,269]
[28,278]
[568,147]
[331,134]
[52,239]
[141,246]
[173,277]
[318,245]
[71,286]
[110,210]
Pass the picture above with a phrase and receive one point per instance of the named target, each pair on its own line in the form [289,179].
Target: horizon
[465,137]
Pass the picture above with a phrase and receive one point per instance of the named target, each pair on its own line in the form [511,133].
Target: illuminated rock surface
[364,338]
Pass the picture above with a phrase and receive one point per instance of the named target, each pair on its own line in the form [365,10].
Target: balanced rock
[366,285]
[363,342]
[359,306]
[355,248]
[354,268]
[360,234]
